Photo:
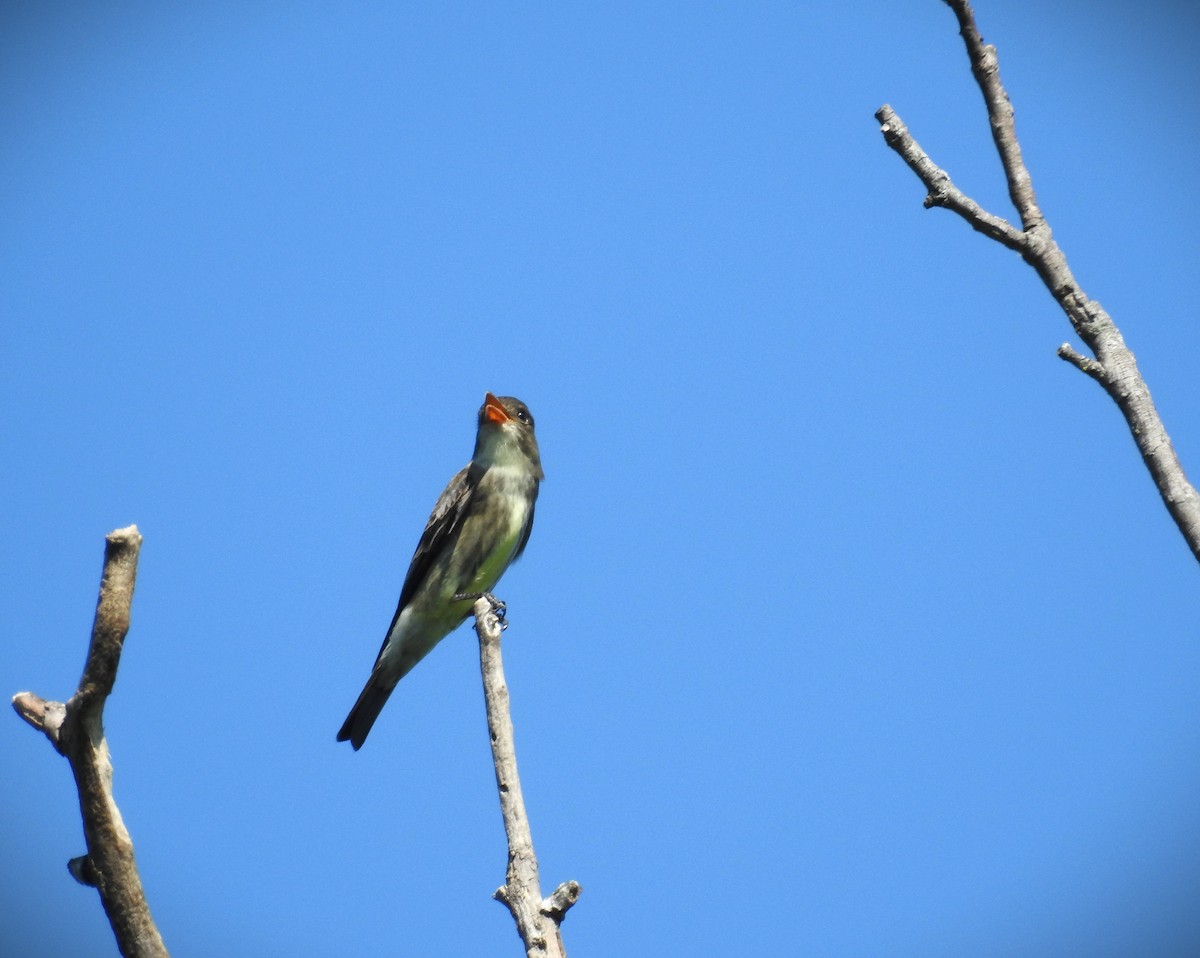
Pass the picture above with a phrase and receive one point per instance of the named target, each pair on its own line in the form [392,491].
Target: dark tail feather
[366,710]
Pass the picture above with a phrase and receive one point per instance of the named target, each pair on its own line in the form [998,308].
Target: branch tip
[45,716]
[32,708]
[1084,364]
[560,901]
[128,534]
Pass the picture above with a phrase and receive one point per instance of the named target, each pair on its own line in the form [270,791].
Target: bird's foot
[499,609]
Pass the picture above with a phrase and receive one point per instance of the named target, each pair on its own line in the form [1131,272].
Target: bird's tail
[366,710]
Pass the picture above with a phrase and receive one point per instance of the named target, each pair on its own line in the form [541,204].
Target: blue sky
[851,623]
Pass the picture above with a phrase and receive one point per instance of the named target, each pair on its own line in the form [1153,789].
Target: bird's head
[505,434]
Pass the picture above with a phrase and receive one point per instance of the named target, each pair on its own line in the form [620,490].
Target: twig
[1113,365]
[538,919]
[1090,366]
[76,730]
[942,191]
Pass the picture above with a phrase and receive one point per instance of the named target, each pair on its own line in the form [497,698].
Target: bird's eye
[522,415]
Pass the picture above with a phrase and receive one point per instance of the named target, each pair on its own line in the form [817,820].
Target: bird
[479,526]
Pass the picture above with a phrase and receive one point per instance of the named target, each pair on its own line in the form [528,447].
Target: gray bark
[1112,363]
[537,918]
[76,730]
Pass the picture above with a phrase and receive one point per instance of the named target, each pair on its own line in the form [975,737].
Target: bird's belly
[484,549]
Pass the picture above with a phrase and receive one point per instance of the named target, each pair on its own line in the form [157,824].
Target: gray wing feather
[444,524]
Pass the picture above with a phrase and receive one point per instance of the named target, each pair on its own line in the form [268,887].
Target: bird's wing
[443,525]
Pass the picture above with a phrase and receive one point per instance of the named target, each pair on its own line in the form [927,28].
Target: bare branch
[986,67]
[942,191]
[1114,366]
[77,731]
[537,919]
[1089,366]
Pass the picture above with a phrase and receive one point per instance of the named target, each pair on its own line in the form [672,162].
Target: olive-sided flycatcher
[480,525]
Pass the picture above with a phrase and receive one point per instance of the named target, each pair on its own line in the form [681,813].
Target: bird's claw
[499,609]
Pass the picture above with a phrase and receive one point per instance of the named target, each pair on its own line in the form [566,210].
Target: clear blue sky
[851,623]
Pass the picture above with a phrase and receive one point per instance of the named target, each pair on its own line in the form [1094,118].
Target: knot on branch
[989,61]
[83,871]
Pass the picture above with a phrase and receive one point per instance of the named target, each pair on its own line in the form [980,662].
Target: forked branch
[1112,363]
[76,730]
[537,918]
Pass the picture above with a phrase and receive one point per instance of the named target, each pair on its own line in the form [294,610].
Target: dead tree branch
[537,918]
[1112,364]
[76,730]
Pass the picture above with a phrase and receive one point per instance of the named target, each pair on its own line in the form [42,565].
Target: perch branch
[1112,363]
[76,730]
[537,918]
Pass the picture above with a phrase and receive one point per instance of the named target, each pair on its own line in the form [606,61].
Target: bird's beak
[493,411]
